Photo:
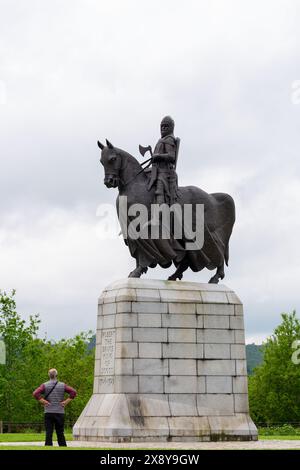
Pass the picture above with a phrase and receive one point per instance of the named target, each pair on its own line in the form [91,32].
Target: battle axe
[143,150]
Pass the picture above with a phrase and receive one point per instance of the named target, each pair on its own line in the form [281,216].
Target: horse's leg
[219,275]
[138,271]
[183,265]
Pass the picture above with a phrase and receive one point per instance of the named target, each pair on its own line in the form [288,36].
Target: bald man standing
[51,395]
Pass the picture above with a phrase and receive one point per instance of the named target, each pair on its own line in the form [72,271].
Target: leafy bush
[284,430]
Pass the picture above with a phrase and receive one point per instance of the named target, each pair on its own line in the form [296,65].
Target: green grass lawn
[279,438]
[49,448]
[39,437]
[25,437]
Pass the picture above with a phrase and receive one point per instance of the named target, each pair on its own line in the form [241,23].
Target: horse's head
[112,162]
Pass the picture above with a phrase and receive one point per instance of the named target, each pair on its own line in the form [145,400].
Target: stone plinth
[170,365]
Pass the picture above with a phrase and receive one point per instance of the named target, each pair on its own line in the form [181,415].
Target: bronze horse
[124,172]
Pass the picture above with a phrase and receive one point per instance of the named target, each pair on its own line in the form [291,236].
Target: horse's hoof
[213,280]
[133,274]
[137,272]
[174,277]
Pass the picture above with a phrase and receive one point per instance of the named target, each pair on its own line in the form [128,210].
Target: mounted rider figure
[164,160]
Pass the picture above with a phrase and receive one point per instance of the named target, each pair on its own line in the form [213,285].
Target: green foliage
[28,360]
[284,430]
[274,387]
[255,357]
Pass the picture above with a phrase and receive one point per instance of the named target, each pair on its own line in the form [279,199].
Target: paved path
[264,444]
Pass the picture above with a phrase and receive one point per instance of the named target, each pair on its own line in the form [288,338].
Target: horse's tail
[226,254]
[226,220]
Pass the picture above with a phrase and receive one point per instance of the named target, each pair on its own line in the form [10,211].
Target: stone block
[233,298]
[216,321]
[109,309]
[239,337]
[239,310]
[123,366]
[183,367]
[170,320]
[147,295]
[182,384]
[126,350]
[215,404]
[149,307]
[149,320]
[123,335]
[150,366]
[93,405]
[216,351]
[106,384]
[98,337]
[151,384]
[215,335]
[183,351]
[98,352]
[219,384]
[215,309]
[148,405]
[109,321]
[107,405]
[240,384]
[238,351]
[124,307]
[216,367]
[241,367]
[232,426]
[241,404]
[182,308]
[126,320]
[126,295]
[188,427]
[150,350]
[126,384]
[237,323]
[97,367]
[200,321]
[182,335]
[180,296]
[109,296]
[214,297]
[151,428]
[99,322]
[183,404]
[150,335]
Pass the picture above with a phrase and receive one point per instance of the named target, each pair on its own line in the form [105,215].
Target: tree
[275,385]
[28,360]
[16,336]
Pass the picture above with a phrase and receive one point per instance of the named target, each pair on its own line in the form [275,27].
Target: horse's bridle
[116,171]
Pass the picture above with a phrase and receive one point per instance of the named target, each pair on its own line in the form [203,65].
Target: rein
[139,172]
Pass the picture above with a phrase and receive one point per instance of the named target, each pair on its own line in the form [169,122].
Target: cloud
[77,71]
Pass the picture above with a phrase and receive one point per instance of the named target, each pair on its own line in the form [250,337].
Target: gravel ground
[264,444]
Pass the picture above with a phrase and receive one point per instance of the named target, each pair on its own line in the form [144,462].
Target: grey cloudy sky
[74,71]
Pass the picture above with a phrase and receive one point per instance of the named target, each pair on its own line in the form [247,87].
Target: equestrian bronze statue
[156,185]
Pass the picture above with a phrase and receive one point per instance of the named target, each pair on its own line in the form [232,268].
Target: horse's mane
[128,156]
